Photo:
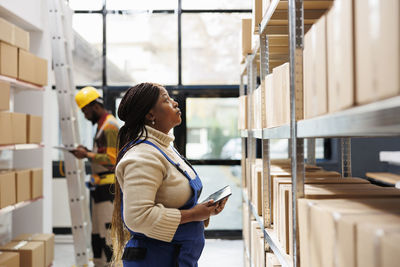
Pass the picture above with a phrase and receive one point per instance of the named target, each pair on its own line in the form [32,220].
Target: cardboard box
[9,259]
[31,254]
[8,60]
[6,31]
[390,249]
[257,188]
[23,185]
[34,129]
[31,68]
[36,183]
[377,33]
[315,71]
[21,38]
[257,14]
[346,245]
[246,37]
[242,118]
[18,121]
[327,192]
[272,260]
[316,242]
[41,71]
[7,188]
[269,101]
[281,95]
[46,239]
[26,66]
[4,95]
[340,45]
[6,137]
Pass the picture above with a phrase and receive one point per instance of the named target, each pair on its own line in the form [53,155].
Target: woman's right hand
[200,212]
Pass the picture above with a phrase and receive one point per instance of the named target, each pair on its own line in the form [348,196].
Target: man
[102,159]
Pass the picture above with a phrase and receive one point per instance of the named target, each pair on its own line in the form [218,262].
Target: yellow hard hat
[86,95]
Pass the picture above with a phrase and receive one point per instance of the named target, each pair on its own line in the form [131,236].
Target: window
[212,128]
[214,178]
[142,48]
[210,45]
[220,4]
[87,52]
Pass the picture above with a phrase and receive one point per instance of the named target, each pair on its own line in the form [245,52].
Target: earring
[153,122]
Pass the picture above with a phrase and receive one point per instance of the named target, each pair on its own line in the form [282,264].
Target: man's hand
[80,152]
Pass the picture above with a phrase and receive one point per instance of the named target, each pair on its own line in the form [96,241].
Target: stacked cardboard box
[9,259]
[246,37]
[36,181]
[31,254]
[46,239]
[281,87]
[257,14]
[242,124]
[351,233]
[4,96]
[15,59]
[7,189]
[34,128]
[257,244]
[19,128]
[315,71]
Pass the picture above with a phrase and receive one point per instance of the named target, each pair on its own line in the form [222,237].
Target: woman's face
[166,113]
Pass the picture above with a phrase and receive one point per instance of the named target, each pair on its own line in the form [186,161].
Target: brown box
[6,137]
[26,66]
[281,94]
[242,112]
[48,242]
[9,259]
[18,121]
[327,192]
[7,188]
[246,37]
[21,38]
[31,253]
[346,234]
[256,15]
[6,31]
[41,71]
[390,249]
[34,129]
[269,101]
[316,242]
[315,71]
[8,60]
[377,33]
[23,184]
[340,45]
[36,183]
[4,95]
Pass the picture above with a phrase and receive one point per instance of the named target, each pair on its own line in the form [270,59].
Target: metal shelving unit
[21,146]
[285,22]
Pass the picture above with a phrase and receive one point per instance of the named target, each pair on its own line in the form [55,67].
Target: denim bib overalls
[187,244]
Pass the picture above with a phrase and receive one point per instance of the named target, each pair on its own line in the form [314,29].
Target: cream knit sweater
[153,189]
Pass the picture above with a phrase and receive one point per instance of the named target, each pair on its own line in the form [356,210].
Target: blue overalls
[187,244]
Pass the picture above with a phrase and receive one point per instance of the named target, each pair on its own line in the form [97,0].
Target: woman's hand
[202,211]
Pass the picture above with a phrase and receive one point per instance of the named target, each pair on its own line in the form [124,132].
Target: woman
[159,189]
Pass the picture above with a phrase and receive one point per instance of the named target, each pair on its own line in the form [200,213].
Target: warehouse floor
[216,252]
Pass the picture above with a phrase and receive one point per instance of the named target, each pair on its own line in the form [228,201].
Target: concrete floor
[216,253]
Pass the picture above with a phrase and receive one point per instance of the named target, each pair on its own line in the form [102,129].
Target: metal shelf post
[296,38]
[346,156]
[311,151]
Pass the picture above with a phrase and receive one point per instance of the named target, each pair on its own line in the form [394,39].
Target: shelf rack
[21,146]
[20,85]
[18,206]
[281,35]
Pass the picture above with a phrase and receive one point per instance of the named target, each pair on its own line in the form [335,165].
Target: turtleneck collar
[160,137]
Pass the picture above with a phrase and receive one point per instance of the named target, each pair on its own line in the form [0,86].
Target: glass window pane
[212,128]
[212,4]
[142,48]
[214,178]
[140,4]
[210,48]
[86,5]
[87,53]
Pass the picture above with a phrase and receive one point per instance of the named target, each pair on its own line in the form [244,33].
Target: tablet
[219,195]
[63,149]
